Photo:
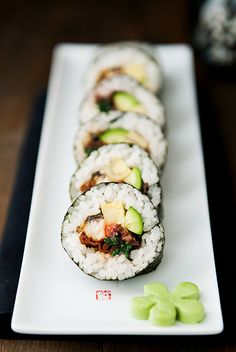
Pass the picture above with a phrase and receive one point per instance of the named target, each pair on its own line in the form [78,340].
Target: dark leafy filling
[105,104]
[118,246]
[93,144]
[119,241]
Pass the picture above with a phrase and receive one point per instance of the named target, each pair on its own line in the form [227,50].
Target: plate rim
[56,66]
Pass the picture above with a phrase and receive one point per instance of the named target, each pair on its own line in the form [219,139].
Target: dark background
[28,32]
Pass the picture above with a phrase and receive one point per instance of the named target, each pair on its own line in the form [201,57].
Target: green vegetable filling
[121,246]
[89,150]
[119,100]
[104,105]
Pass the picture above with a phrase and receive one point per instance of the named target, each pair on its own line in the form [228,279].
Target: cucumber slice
[134,221]
[157,289]
[187,290]
[134,178]
[189,311]
[114,135]
[124,101]
[163,307]
[163,313]
[140,307]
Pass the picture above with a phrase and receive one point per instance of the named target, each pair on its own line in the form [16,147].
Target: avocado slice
[134,221]
[124,101]
[134,178]
[114,135]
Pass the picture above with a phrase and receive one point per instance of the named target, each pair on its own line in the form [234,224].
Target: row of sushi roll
[113,229]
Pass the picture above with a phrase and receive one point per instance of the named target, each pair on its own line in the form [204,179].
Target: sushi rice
[112,231]
[132,58]
[131,121]
[149,103]
[134,156]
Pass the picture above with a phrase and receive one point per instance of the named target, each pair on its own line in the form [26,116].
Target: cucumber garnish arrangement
[163,308]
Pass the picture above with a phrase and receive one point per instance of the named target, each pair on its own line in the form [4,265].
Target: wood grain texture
[28,32]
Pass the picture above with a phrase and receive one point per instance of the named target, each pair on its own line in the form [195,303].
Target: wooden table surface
[28,32]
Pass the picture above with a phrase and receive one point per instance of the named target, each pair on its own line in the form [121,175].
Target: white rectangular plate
[54,296]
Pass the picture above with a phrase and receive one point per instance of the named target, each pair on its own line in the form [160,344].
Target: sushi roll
[134,59]
[118,163]
[113,128]
[112,232]
[121,93]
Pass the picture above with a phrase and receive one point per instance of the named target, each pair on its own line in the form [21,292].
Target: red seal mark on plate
[103,295]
